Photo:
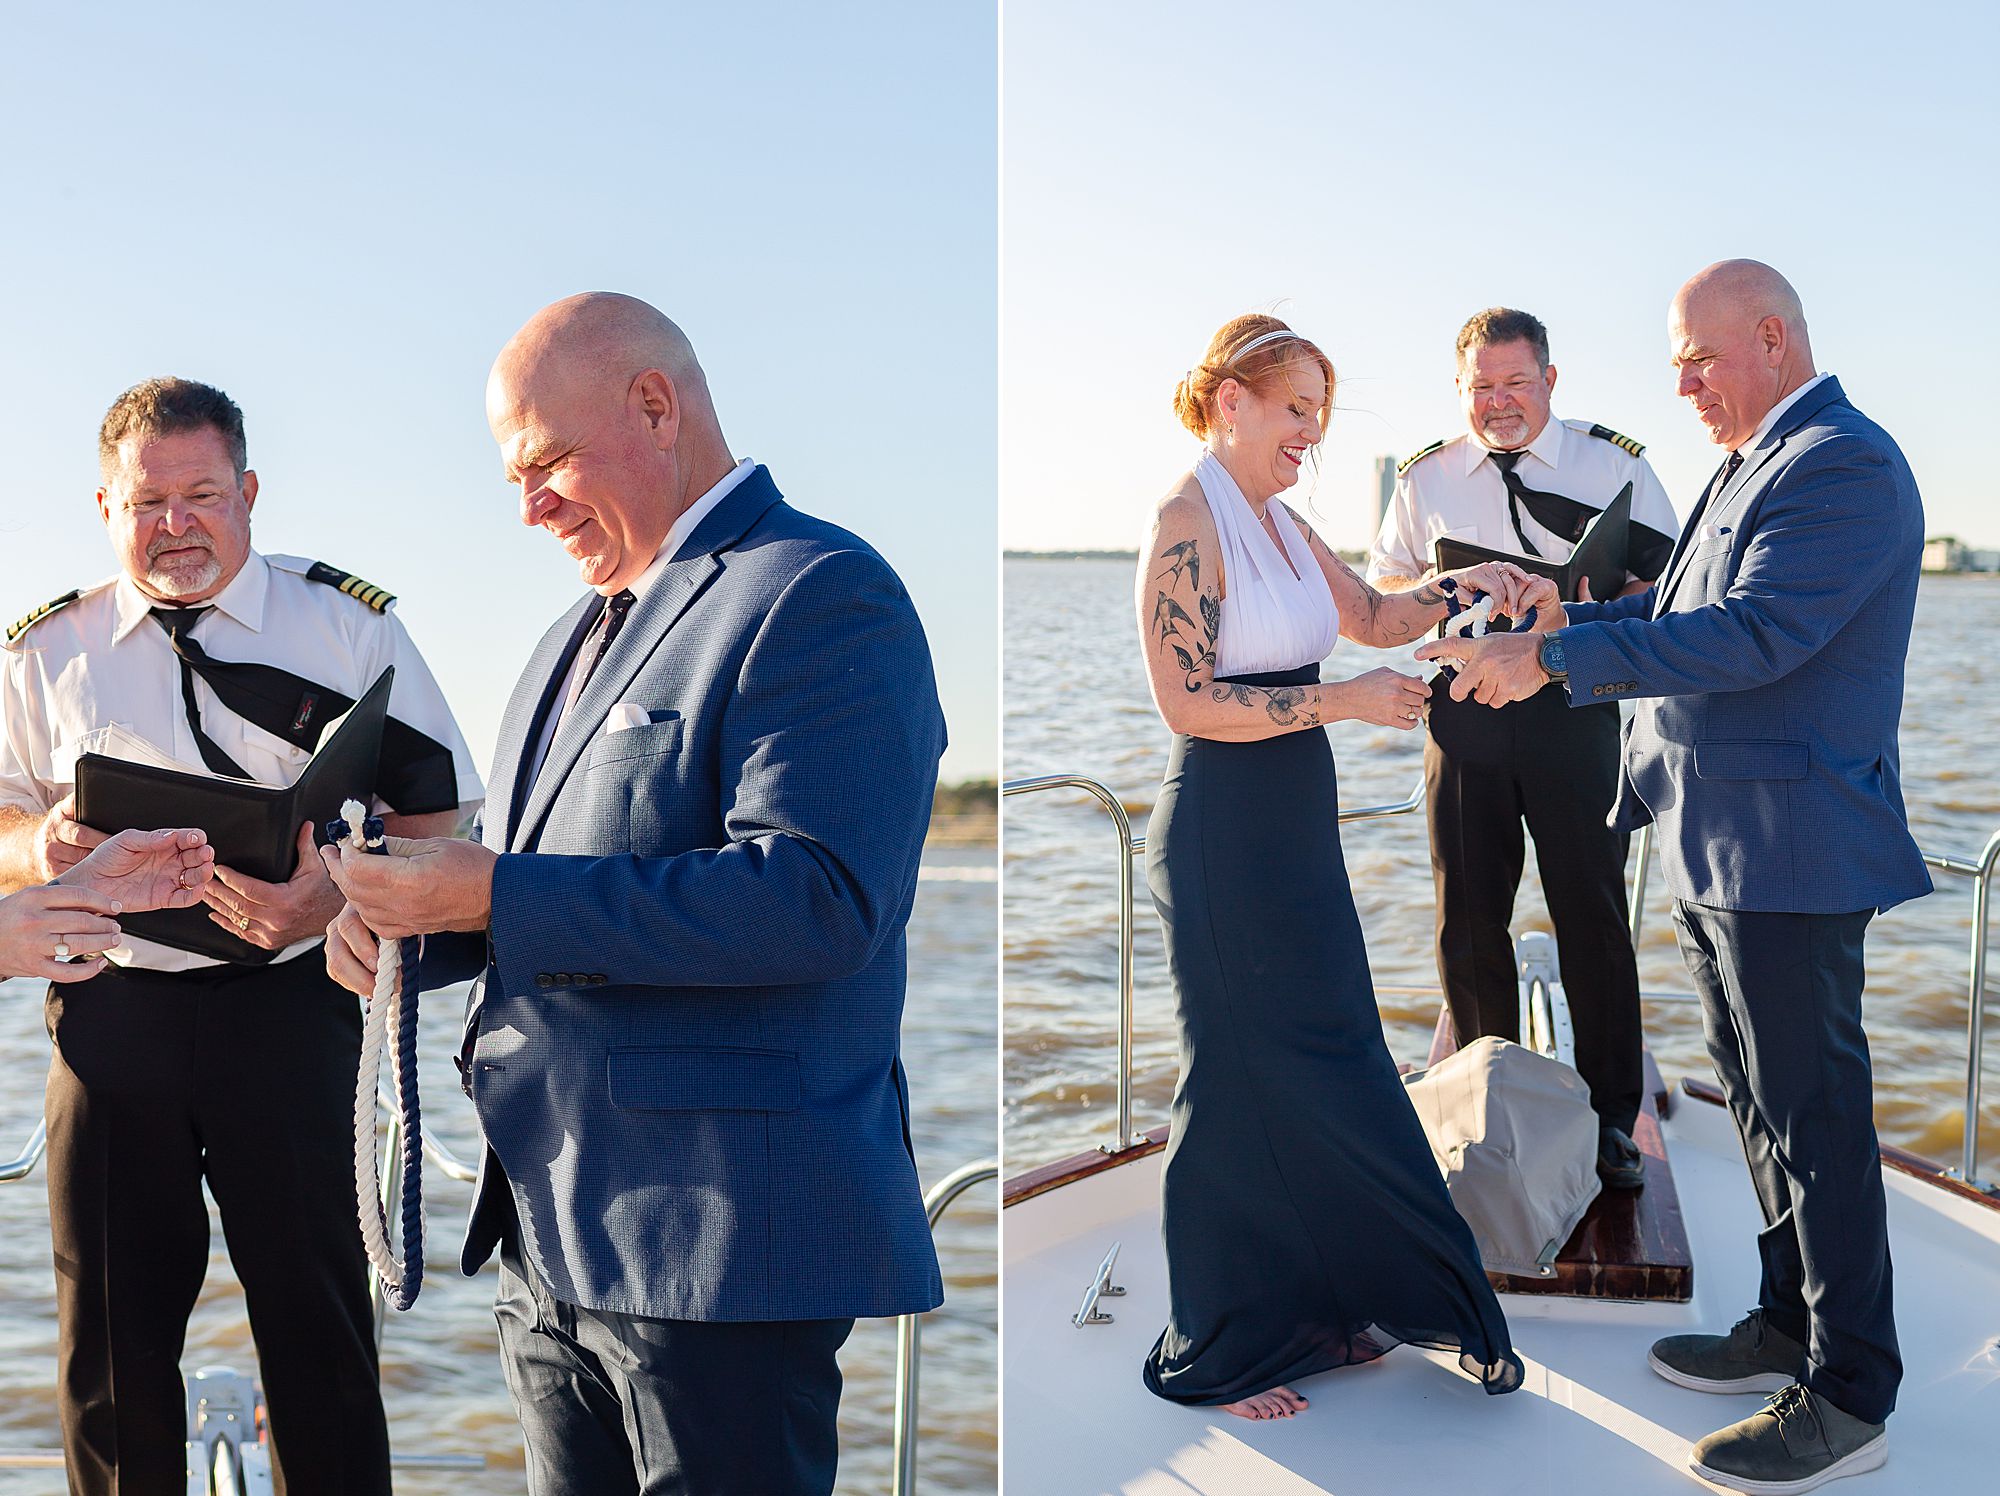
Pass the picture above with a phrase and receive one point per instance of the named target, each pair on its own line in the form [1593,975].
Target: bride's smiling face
[1266,433]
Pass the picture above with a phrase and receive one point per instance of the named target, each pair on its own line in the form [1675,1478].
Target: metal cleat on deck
[1545,1022]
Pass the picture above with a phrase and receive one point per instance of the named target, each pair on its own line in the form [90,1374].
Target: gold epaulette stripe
[1416,457]
[40,613]
[366,592]
[375,597]
[1605,433]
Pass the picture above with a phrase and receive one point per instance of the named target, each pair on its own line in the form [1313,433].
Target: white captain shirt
[1453,491]
[99,670]
[677,534]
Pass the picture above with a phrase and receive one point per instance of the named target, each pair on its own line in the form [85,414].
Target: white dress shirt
[1771,415]
[1454,492]
[98,669]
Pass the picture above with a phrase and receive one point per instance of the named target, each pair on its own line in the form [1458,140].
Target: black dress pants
[1781,1010]
[243,1076]
[1554,766]
[626,1405]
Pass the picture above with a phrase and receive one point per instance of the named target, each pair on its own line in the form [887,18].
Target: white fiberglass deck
[1591,1418]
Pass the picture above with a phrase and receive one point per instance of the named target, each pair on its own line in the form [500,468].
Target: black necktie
[1553,512]
[177,622]
[416,774]
[616,607]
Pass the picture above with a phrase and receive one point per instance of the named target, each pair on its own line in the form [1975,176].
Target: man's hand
[421,888]
[63,841]
[351,952]
[1505,583]
[148,869]
[1543,596]
[275,915]
[1494,670]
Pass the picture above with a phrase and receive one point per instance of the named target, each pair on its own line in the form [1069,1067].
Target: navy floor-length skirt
[1306,1223]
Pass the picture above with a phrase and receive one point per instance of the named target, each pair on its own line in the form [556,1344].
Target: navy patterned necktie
[612,619]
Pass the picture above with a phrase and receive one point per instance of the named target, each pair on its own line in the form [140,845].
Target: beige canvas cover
[1515,1136]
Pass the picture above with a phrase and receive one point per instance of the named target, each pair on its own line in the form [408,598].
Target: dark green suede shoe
[1795,1442]
[1753,1357]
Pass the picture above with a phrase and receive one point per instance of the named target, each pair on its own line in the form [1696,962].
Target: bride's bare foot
[1279,1402]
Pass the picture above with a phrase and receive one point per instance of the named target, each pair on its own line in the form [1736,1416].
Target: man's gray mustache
[188,542]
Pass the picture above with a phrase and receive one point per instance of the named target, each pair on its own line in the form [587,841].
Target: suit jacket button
[564,979]
[543,979]
[598,979]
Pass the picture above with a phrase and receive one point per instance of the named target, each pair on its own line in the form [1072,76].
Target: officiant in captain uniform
[1519,481]
[171,1067]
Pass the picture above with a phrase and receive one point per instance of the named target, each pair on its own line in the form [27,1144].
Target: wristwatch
[1551,656]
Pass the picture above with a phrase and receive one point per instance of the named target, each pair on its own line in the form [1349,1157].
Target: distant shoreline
[965,814]
[1070,555]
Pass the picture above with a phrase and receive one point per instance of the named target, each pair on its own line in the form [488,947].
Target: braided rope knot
[394,1004]
[1467,620]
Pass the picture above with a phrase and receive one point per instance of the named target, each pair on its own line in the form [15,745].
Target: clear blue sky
[1376,173]
[340,214]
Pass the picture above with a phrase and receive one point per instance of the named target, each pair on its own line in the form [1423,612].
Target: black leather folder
[254,828]
[1602,554]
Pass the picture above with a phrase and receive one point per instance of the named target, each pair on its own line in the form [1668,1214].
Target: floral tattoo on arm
[1193,643]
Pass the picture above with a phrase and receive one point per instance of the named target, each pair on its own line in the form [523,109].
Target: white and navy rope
[1460,617]
[394,1004]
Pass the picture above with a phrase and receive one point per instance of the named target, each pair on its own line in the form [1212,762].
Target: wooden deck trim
[1928,1171]
[1049,1176]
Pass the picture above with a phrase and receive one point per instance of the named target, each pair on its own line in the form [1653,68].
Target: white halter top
[1273,618]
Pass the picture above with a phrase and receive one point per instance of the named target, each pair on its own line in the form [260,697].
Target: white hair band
[1262,338]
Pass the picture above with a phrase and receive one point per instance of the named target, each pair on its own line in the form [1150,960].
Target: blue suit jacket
[684,1046]
[1770,672]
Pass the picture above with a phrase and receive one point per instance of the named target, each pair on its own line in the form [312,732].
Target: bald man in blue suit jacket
[710,794]
[1767,671]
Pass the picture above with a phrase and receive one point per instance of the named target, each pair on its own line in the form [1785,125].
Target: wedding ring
[242,921]
[62,950]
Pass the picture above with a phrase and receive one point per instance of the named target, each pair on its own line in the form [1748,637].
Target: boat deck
[1591,1418]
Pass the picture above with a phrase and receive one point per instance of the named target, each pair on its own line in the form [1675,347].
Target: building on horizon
[1946,553]
[1385,488]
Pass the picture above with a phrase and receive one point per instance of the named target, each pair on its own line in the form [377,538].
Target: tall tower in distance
[1385,487]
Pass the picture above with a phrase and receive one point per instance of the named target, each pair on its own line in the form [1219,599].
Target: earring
[1229,431]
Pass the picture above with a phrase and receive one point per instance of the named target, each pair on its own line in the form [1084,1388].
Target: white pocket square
[626,714]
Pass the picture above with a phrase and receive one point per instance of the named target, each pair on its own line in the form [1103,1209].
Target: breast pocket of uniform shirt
[1469,534]
[268,758]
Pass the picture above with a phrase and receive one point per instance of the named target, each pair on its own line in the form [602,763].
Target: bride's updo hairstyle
[1254,350]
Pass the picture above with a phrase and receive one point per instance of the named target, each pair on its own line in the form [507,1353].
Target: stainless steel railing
[1979,869]
[1128,848]
[909,1342]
